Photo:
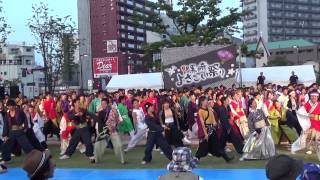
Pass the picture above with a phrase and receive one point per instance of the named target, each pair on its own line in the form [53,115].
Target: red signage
[105,66]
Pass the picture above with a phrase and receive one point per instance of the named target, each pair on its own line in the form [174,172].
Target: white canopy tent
[278,75]
[136,81]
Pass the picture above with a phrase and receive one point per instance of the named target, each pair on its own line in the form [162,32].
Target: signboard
[90,83]
[112,46]
[105,66]
[205,69]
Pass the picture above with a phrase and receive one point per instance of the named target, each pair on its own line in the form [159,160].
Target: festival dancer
[15,128]
[155,136]
[277,118]
[207,125]
[96,102]
[268,104]
[81,133]
[140,126]
[126,124]
[38,124]
[51,124]
[168,118]
[66,127]
[192,113]
[238,115]
[112,123]
[292,107]
[34,141]
[260,144]
[310,137]
[229,133]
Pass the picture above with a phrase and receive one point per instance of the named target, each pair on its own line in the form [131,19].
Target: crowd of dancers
[255,120]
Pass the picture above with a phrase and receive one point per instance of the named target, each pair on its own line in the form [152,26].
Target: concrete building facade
[277,20]
[17,63]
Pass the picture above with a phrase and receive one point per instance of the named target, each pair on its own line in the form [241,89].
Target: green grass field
[135,156]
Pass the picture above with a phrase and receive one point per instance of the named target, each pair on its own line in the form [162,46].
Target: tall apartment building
[107,34]
[277,20]
[115,35]
[17,62]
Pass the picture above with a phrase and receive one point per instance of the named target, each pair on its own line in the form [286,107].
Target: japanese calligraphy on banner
[105,66]
[112,46]
[205,69]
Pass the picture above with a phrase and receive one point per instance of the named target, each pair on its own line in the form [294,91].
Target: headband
[43,158]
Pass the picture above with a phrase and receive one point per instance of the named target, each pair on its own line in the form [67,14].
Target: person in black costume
[15,128]
[81,132]
[155,136]
[169,119]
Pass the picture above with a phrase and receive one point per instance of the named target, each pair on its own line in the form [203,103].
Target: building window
[14,50]
[28,62]
[131,46]
[123,35]
[123,26]
[130,11]
[130,28]
[123,44]
[140,30]
[130,37]
[5,73]
[130,2]
[28,49]
[139,5]
[10,61]
[139,38]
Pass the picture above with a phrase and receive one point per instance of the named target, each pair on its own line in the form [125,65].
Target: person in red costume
[313,109]
[238,116]
[66,127]
[51,124]
[153,100]
[268,105]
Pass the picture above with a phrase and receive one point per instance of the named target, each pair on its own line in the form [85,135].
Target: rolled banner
[300,143]
[303,118]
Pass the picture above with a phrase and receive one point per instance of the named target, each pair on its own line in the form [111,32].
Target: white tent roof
[136,81]
[278,75]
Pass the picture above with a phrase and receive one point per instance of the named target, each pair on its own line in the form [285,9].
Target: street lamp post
[298,57]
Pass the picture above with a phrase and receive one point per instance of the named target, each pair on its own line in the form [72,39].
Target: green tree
[49,32]
[196,21]
[279,61]
[68,66]
[5,29]
[10,83]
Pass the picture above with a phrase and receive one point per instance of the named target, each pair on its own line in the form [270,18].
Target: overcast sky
[17,13]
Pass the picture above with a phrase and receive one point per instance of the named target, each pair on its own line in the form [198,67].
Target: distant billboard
[106,66]
[112,46]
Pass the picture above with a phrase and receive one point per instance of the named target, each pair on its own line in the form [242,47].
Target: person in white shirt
[140,126]
[284,98]
[258,100]
[38,124]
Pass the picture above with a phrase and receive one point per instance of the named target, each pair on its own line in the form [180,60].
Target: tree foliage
[5,29]
[279,61]
[196,22]
[10,83]
[49,32]
[69,66]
